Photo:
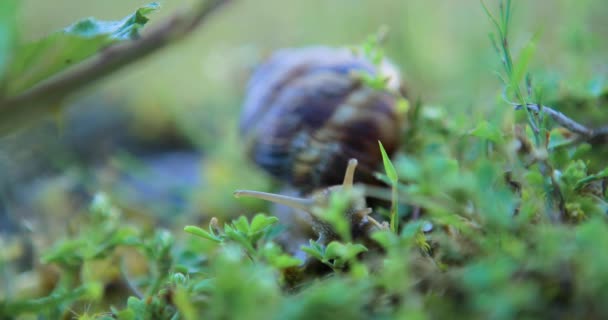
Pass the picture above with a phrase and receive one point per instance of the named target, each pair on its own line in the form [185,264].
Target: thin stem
[394,209]
[533,111]
[559,118]
[490,15]
[46,97]
[45,303]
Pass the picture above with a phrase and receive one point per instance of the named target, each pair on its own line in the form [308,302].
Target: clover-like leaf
[343,251]
[241,224]
[260,222]
[314,250]
[202,233]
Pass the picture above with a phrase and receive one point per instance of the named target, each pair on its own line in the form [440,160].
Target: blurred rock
[50,172]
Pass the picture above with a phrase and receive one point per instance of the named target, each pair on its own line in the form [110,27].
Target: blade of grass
[391,173]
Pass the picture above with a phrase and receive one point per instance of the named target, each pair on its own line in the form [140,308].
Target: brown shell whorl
[305,115]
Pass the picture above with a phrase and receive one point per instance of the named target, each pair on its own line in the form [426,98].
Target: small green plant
[252,237]
[392,176]
[335,255]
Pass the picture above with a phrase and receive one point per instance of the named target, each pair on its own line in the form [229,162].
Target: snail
[357,211]
[308,115]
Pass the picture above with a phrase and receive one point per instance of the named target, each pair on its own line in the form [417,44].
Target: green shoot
[391,173]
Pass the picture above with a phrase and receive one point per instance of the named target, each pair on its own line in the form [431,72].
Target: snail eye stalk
[305,204]
[349,176]
[292,202]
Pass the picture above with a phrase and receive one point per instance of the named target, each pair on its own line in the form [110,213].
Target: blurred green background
[169,121]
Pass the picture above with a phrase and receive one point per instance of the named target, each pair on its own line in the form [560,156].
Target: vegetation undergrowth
[503,219]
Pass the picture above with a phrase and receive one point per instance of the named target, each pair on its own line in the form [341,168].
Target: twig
[560,118]
[599,136]
[585,133]
[43,98]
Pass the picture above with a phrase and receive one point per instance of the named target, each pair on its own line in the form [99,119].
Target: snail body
[356,213]
[307,113]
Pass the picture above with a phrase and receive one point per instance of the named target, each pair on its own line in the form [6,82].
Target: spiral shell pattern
[306,113]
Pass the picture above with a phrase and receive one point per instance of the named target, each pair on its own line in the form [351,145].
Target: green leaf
[385,238]
[201,233]
[137,306]
[239,236]
[314,250]
[125,29]
[486,130]
[126,314]
[260,222]
[409,168]
[343,251]
[557,139]
[412,229]
[352,250]
[388,165]
[274,254]
[41,59]
[241,224]
[391,173]
[205,285]
[65,252]
[598,176]
[285,261]
[521,67]
[8,33]
[334,250]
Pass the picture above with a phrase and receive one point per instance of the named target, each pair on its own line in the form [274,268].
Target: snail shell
[306,113]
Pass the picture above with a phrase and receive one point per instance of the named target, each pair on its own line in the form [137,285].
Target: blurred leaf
[557,139]
[138,307]
[487,131]
[521,66]
[385,238]
[65,252]
[598,176]
[260,222]
[184,305]
[335,298]
[334,249]
[8,33]
[312,252]
[342,253]
[241,224]
[202,233]
[126,314]
[409,168]
[41,59]
[598,85]
[275,256]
